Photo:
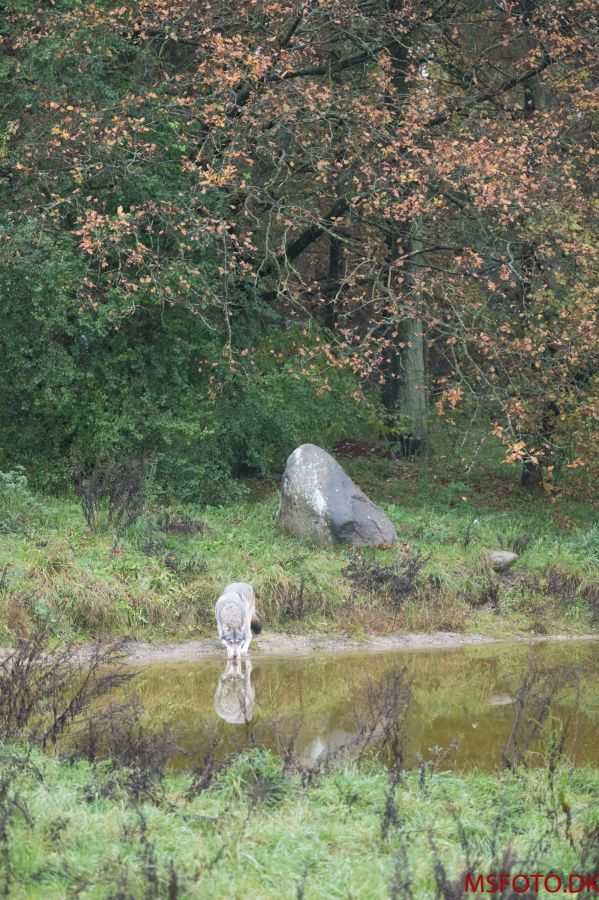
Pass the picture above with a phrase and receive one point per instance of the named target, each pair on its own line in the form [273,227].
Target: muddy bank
[285,645]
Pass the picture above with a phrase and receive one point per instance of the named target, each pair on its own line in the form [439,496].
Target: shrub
[17,504]
[118,486]
[397,581]
[42,693]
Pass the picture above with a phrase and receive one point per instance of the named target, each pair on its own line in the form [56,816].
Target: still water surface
[461,710]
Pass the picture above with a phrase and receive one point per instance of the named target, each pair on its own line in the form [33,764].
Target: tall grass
[256,831]
[160,576]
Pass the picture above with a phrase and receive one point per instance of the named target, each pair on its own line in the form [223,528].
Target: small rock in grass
[502,559]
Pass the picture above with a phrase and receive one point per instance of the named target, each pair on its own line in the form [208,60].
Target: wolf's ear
[256,624]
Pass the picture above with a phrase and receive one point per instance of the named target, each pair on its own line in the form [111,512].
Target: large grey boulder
[320,502]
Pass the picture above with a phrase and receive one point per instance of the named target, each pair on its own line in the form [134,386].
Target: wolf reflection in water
[235,697]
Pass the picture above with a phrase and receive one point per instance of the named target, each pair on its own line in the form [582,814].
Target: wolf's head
[233,639]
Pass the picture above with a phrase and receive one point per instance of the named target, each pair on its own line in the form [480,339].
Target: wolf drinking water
[236,618]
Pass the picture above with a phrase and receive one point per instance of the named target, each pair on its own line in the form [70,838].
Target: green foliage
[17,504]
[110,386]
[152,302]
[266,415]
[90,367]
[102,389]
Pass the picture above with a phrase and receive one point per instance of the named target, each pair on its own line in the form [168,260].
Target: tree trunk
[532,474]
[404,391]
[333,282]
[404,394]
[412,386]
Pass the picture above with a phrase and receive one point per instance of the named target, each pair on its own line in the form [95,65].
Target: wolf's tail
[256,624]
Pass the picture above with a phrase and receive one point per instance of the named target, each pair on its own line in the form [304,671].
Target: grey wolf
[236,618]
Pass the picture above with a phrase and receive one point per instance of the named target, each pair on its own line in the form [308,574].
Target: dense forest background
[227,228]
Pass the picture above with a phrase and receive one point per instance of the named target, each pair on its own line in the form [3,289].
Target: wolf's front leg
[248,632]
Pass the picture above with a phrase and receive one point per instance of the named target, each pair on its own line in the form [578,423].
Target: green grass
[257,832]
[155,583]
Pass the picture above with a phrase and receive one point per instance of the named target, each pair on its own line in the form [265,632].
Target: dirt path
[281,644]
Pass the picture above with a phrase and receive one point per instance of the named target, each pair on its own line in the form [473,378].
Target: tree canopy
[229,227]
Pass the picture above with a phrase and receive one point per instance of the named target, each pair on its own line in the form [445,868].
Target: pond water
[461,711]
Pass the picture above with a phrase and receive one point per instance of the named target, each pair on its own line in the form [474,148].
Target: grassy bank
[161,576]
[255,831]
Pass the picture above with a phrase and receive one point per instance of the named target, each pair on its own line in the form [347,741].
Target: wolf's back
[243,589]
[230,612]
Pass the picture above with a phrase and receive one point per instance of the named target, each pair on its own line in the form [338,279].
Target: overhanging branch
[483,96]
